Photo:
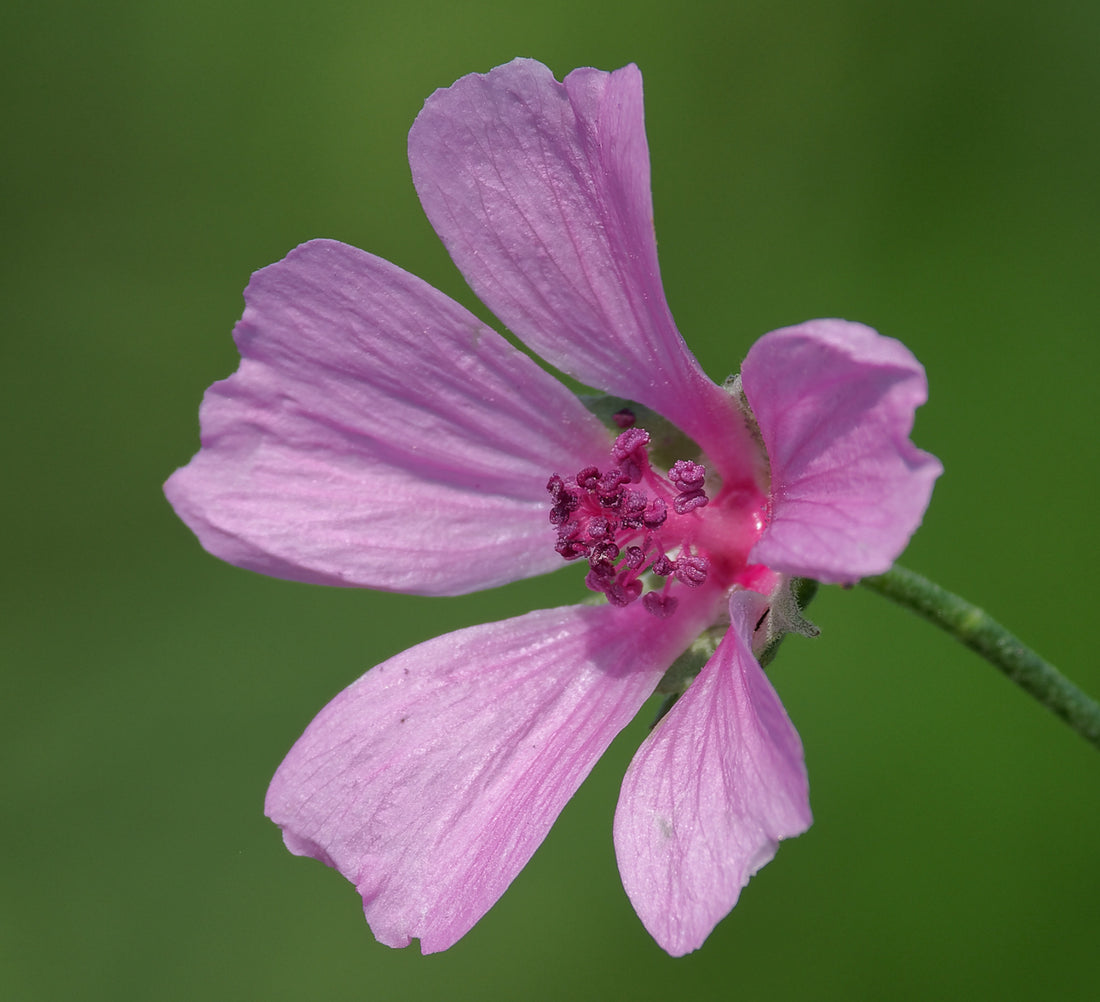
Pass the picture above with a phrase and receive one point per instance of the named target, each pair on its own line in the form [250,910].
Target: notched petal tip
[430,782]
[710,793]
[835,403]
[377,434]
[540,191]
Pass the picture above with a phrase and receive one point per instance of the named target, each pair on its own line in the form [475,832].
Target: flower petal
[835,402]
[378,434]
[540,191]
[431,781]
[710,793]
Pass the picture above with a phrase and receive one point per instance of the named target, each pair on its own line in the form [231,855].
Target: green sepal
[785,616]
[674,683]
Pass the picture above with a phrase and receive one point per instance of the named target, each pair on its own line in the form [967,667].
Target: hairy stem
[980,632]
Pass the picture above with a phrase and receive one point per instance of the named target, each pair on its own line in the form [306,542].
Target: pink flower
[378,435]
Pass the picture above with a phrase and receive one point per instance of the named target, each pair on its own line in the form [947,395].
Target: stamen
[662,606]
[600,528]
[604,553]
[621,594]
[631,454]
[689,501]
[570,550]
[632,509]
[655,514]
[615,526]
[662,566]
[688,477]
[692,570]
[609,488]
[588,478]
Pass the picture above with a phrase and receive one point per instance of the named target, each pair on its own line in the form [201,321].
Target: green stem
[980,632]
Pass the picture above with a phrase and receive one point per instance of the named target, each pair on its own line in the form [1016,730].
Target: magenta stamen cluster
[600,516]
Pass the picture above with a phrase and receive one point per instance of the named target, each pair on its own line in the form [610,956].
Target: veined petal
[710,793]
[540,191]
[378,434]
[431,781]
[835,403]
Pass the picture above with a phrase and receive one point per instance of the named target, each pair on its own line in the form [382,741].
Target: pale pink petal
[835,403]
[540,191]
[431,781]
[378,434]
[710,793]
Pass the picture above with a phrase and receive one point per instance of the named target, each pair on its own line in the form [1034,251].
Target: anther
[609,488]
[655,514]
[622,594]
[588,478]
[686,475]
[662,566]
[689,501]
[600,527]
[571,549]
[692,570]
[662,606]
[689,478]
[632,510]
[604,553]
[630,453]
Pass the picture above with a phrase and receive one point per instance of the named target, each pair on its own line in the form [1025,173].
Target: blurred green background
[930,169]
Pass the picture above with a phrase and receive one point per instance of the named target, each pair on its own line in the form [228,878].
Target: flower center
[630,520]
